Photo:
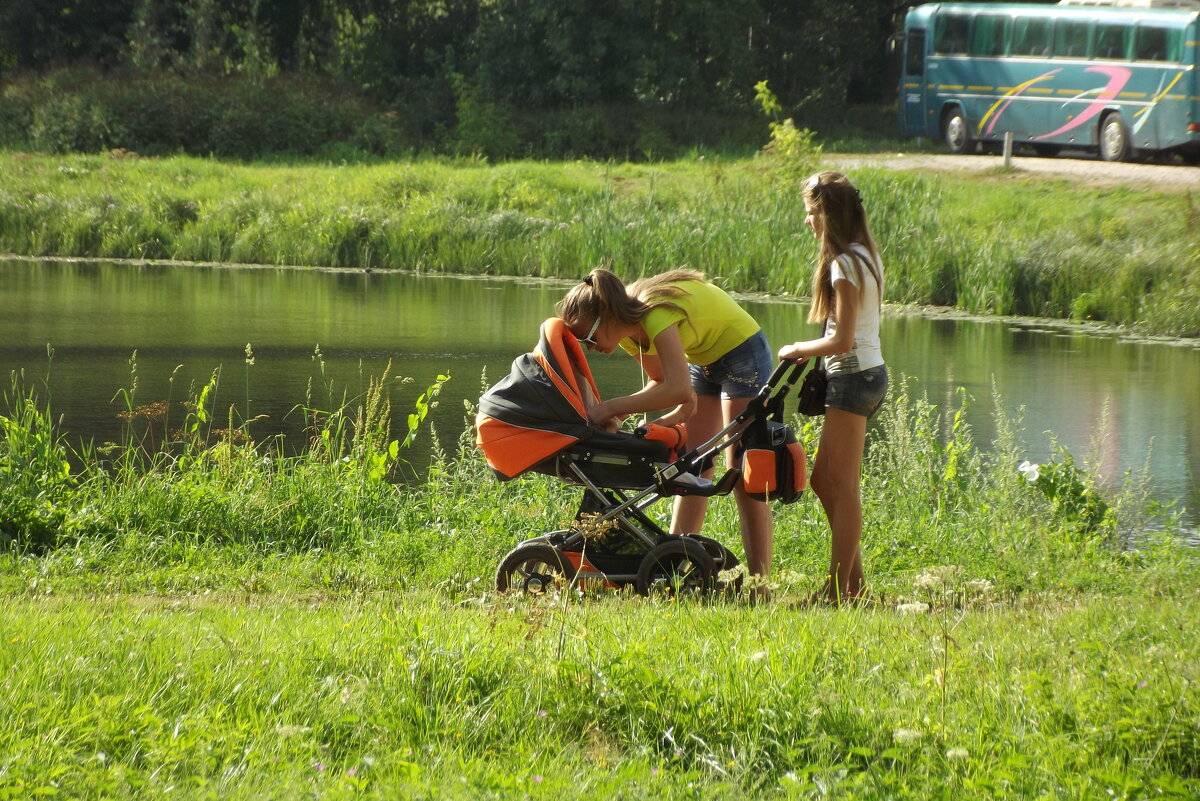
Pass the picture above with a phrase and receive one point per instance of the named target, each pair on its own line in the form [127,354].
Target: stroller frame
[667,563]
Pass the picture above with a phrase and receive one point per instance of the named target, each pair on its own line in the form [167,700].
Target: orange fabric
[758,470]
[565,350]
[674,437]
[799,466]
[511,449]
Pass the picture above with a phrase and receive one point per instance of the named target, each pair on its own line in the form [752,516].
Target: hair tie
[587,279]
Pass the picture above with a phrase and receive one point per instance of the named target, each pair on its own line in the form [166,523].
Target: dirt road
[1089,170]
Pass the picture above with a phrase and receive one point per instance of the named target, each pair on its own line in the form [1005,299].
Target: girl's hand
[598,416]
[680,414]
[791,353]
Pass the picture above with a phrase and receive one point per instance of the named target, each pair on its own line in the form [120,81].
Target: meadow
[999,242]
[201,616]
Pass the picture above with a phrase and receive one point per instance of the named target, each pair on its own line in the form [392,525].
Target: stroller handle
[767,403]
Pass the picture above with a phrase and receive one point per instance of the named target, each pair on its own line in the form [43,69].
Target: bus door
[913,106]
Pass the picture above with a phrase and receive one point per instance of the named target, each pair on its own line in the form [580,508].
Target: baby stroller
[535,420]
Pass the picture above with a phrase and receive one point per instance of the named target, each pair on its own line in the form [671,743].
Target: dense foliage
[603,77]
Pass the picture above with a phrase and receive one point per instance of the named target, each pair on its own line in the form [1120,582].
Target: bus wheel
[1114,139]
[955,132]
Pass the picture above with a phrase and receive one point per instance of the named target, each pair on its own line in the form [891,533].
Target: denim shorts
[739,373]
[859,393]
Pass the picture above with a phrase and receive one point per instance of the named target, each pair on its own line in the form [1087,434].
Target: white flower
[905,736]
[957,753]
[1030,470]
[980,586]
[758,656]
[912,609]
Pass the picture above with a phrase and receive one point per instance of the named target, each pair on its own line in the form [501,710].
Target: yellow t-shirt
[715,324]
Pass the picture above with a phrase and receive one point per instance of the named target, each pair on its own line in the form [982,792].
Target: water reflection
[1133,404]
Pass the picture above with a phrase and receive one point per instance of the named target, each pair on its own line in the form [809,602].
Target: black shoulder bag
[811,394]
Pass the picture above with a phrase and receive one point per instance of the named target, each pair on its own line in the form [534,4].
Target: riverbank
[994,242]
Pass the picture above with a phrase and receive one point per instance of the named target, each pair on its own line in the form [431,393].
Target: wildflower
[913,608]
[980,587]
[537,779]
[758,656]
[906,736]
[541,713]
[653,771]
[352,773]
[1030,470]
[957,753]
[319,767]
[927,581]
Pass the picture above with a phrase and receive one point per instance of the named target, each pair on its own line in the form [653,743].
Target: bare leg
[837,481]
[688,514]
[755,521]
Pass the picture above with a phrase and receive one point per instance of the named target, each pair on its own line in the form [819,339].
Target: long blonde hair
[602,295]
[831,195]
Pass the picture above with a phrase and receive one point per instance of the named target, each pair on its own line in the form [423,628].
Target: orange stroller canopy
[538,409]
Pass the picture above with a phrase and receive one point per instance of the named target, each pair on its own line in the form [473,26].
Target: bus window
[1110,42]
[989,35]
[1031,36]
[1157,44]
[1071,39]
[914,56]
[950,34]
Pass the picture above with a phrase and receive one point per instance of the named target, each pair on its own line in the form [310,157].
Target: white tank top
[866,352]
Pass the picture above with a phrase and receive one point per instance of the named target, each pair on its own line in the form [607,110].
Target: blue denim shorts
[739,373]
[859,393]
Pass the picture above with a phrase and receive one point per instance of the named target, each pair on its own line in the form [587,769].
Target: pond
[1134,404]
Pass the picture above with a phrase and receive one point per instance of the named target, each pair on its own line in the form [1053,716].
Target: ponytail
[602,295]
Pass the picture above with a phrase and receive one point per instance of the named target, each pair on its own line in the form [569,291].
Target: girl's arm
[670,385]
[846,303]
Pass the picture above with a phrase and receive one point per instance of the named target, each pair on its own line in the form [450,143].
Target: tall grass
[931,497]
[214,618]
[992,243]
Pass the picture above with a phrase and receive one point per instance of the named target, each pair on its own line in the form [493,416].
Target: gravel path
[1090,170]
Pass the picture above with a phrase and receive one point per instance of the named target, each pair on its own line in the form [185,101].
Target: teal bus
[1120,80]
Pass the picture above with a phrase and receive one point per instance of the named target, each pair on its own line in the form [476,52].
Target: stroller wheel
[533,569]
[729,576]
[675,567]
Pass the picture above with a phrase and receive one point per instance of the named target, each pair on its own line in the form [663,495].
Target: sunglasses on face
[589,340]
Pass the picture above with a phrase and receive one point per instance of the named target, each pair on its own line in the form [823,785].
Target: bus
[1120,80]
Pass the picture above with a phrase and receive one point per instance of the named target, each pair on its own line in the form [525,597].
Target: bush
[80,109]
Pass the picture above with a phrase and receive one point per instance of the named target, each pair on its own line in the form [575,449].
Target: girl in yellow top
[705,358]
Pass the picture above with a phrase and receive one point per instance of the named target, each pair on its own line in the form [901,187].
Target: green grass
[211,619]
[417,696]
[998,243]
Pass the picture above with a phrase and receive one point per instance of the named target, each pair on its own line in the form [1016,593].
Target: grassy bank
[212,619]
[237,697]
[987,243]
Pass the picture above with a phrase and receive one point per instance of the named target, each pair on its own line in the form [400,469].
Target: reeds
[997,244]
